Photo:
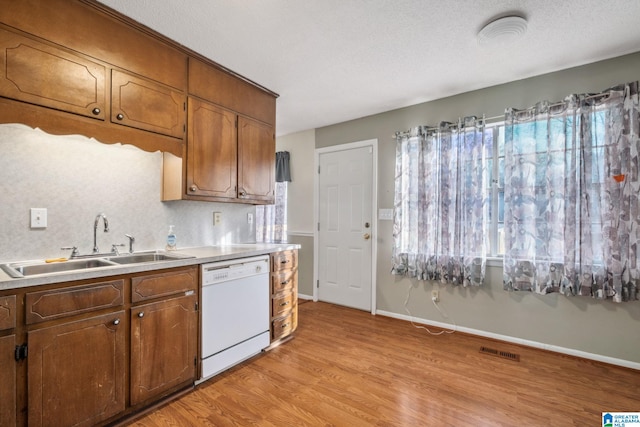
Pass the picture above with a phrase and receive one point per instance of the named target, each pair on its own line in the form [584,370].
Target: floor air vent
[504,354]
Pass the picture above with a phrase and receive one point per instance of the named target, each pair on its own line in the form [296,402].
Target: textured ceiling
[336,60]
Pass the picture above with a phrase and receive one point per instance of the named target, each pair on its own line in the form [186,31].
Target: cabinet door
[77,372]
[256,161]
[147,105]
[211,151]
[41,74]
[7,381]
[163,346]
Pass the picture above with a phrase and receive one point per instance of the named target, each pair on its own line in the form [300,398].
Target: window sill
[494,261]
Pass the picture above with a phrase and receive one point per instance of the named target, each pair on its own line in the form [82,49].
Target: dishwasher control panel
[234,269]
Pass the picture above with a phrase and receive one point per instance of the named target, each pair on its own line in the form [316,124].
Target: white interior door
[345,227]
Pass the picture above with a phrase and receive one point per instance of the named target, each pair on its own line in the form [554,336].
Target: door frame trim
[373,143]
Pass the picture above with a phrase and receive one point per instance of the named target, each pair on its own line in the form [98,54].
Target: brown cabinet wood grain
[145,104]
[212,152]
[256,161]
[7,312]
[167,283]
[56,303]
[284,294]
[7,381]
[39,73]
[77,371]
[163,347]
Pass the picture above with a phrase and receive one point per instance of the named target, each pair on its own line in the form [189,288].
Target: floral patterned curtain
[572,189]
[440,210]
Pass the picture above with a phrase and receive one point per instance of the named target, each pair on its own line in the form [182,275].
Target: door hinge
[318,283]
[318,226]
[195,361]
[318,169]
[20,352]
[196,306]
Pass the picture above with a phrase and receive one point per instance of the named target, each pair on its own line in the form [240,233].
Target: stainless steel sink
[146,257]
[32,268]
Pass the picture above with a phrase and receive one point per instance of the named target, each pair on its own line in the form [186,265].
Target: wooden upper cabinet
[147,105]
[256,161]
[87,26]
[41,74]
[211,151]
[223,88]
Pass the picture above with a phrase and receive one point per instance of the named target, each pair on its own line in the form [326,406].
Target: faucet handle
[73,249]
[114,248]
[131,240]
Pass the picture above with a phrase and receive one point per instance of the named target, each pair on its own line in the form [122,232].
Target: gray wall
[601,328]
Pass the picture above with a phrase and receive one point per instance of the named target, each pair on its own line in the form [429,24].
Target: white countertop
[201,255]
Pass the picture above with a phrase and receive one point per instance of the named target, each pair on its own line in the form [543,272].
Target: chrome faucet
[95,229]
[131,240]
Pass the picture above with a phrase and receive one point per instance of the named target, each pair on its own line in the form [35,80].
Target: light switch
[249,218]
[38,217]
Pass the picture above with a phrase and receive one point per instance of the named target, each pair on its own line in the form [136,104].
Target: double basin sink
[32,268]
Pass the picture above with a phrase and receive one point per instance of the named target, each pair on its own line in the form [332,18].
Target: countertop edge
[201,255]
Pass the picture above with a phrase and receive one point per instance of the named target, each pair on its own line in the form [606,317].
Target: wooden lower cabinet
[284,294]
[77,371]
[7,381]
[163,346]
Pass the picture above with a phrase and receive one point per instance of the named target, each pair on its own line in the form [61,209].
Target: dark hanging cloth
[283,173]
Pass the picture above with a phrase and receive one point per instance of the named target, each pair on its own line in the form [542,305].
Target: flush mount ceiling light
[502,30]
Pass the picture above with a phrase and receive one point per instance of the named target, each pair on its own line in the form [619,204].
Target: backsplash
[75,178]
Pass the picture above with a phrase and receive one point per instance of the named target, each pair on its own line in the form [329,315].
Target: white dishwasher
[235,312]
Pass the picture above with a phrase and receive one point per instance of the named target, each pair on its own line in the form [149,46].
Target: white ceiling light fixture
[502,30]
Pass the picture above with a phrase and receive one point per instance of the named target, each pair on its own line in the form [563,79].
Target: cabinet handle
[141,314]
[284,283]
[284,261]
[119,116]
[193,188]
[282,304]
[116,322]
[95,111]
[285,325]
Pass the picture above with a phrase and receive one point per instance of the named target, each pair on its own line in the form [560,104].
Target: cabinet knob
[95,111]
[120,116]
[141,314]
[116,322]
[242,193]
[284,325]
[282,304]
[193,188]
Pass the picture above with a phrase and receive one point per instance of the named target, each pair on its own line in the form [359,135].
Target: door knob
[367,236]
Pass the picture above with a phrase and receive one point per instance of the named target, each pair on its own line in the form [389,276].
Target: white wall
[76,178]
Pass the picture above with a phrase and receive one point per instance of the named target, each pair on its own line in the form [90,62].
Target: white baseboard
[303,296]
[534,344]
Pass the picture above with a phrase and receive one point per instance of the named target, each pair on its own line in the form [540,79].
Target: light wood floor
[348,368]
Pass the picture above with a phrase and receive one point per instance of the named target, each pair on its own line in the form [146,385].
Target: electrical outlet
[435,295]
[38,217]
[217,218]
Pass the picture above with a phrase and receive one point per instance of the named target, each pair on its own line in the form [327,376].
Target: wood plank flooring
[348,368]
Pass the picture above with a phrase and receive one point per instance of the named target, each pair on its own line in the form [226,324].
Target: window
[494,152]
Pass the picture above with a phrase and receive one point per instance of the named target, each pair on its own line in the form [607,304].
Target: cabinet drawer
[284,326]
[284,281]
[283,260]
[7,312]
[283,303]
[163,284]
[55,303]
